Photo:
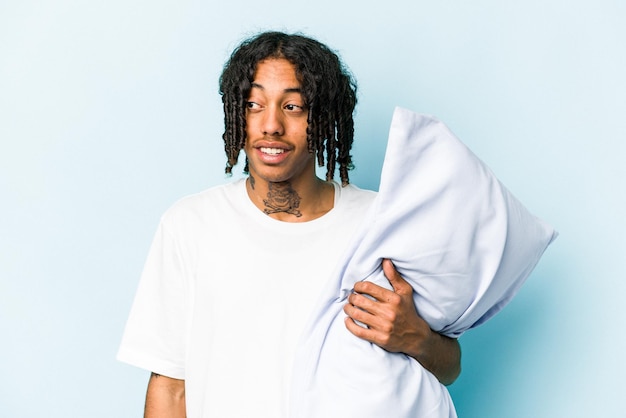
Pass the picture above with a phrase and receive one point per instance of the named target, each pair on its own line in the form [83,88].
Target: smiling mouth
[272,151]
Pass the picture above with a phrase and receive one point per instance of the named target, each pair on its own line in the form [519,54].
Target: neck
[290,202]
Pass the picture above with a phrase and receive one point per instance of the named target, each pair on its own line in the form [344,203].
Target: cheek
[249,125]
[300,130]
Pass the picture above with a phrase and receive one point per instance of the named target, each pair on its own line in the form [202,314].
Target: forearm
[440,355]
[165,397]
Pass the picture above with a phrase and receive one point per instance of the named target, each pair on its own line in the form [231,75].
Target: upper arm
[165,397]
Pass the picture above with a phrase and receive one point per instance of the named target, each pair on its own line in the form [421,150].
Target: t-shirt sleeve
[155,334]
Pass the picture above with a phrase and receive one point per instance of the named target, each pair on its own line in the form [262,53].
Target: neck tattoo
[281,197]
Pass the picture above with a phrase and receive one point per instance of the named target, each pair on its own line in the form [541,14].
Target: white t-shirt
[225,293]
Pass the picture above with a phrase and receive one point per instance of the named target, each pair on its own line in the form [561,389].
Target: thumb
[400,286]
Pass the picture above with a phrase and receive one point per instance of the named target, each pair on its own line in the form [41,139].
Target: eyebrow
[287,90]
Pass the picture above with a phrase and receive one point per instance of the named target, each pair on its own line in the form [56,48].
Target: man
[235,270]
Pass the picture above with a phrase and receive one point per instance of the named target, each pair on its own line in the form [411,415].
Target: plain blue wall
[109,112]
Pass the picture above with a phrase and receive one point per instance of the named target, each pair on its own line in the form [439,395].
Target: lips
[271,151]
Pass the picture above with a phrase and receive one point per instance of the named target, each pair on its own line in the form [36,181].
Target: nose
[272,122]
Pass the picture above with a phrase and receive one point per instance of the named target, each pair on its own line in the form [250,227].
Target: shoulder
[355,199]
[354,193]
[199,207]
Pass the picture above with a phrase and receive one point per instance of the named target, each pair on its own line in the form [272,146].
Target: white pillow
[452,229]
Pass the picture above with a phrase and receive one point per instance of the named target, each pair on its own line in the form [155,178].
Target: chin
[278,175]
[271,177]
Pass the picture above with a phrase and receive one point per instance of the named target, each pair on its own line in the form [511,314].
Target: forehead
[275,71]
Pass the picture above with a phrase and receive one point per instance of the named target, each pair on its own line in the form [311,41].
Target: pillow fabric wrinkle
[462,241]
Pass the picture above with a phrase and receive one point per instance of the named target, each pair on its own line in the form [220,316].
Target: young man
[235,270]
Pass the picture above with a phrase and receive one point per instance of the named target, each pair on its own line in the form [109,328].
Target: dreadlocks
[328,89]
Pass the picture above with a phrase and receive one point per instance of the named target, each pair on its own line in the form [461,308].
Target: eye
[294,108]
[253,106]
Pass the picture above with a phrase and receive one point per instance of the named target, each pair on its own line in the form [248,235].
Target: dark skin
[283,185]
[165,397]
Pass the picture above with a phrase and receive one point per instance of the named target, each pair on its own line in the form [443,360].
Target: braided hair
[328,89]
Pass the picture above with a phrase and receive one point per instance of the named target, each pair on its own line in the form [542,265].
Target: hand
[394,325]
[392,320]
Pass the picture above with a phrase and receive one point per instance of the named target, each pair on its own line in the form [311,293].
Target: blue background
[109,112]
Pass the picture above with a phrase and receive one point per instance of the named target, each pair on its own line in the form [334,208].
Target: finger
[398,283]
[366,318]
[385,311]
[371,335]
[364,303]
[374,290]
[356,329]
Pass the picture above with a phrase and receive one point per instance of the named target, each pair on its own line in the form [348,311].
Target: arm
[165,397]
[393,324]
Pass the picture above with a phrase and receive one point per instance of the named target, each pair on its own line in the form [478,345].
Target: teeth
[272,151]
